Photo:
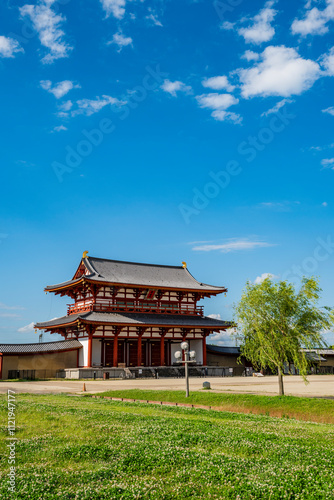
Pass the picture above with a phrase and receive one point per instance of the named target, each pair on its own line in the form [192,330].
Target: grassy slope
[312,409]
[83,448]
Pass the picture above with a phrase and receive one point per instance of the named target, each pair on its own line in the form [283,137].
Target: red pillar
[0,366]
[115,351]
[204,349]
[90,350]
[139,351]
[162,350]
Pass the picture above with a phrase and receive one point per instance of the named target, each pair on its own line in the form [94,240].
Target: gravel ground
[318,386]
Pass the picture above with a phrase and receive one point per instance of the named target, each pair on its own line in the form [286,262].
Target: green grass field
[83,448]
[310,409]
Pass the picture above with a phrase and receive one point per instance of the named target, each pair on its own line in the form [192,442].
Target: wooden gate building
[127,314]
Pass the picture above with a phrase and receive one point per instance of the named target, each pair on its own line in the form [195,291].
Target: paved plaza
[318,386]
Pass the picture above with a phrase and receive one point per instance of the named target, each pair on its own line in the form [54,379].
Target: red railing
[142,308]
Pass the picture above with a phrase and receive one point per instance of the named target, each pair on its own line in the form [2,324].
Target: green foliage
[276,322]
[85,449]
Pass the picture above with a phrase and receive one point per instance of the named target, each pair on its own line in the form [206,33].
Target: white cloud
[324,204]
[65,106]
[60,128]
[120,40]
[27,328]
[114,7]
[328,62]
[59,89]
[12,308]
[249,55]
[9,315]
[328,163]
[315,21]
[216,101]
[219,103]
[234,244]
[152,16]
[214,316]
[48,26]
[227,26]
[174,87]
[222,338]
[9,47]
[281,72]
[280,206]
[330,110]
[218,83]
[277,107]
[90,106]
[263,277]
[260,30]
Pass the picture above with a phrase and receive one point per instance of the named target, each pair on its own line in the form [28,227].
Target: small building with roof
[42,360]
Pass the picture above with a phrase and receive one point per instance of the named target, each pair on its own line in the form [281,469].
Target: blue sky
[164,131]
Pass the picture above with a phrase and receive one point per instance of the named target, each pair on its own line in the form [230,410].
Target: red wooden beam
[90,350]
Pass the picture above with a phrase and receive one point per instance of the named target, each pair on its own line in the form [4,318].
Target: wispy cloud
[329,110]
[327,60]
[233,245]
[260,30]
[11,308]
[223,337]
[59,89]
[9,315]
[9,47]
[218,83]
[173,87]
[114,7]
[219,103]
[263,277]
[120,40]
[90,106]
[315,21]
[277,107]
[249,55]
[48,26]
[328,163]
[280,206]
[59,128]
[27,328]
[153,17]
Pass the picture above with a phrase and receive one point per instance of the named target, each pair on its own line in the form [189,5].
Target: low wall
[42,363]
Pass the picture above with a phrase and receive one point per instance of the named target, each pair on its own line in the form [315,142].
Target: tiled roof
[146,275]
[217,349]
[62,345]
[139,319]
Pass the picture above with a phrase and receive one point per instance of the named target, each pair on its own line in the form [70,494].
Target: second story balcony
[132,307]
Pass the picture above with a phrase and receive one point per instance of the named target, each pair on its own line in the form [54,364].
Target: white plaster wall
[173,348]
[197,345]
[194,345]
[83,353]
[96,354]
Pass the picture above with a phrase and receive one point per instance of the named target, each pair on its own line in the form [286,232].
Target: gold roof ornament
[184,265]
[84,255]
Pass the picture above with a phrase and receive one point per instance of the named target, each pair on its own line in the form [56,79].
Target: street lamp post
[189,357]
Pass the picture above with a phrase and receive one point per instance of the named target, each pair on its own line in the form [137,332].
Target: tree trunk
[280,383]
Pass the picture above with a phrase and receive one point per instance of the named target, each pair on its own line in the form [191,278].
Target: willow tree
[276,323]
